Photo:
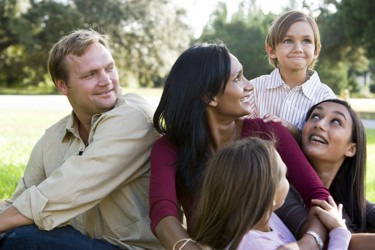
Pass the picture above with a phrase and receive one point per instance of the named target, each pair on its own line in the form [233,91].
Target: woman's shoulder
[163,144]
[257,125]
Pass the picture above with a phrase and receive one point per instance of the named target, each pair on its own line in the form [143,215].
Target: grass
[21,128]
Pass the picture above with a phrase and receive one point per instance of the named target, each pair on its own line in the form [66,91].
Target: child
[242,185]
[293,46]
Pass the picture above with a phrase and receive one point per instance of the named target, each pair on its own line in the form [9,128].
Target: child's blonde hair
[238,190]
[280,27]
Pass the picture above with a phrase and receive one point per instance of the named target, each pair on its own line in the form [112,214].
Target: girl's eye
[337,122]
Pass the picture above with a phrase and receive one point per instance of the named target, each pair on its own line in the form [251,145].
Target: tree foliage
[244,34]
[341,55]
[146,36]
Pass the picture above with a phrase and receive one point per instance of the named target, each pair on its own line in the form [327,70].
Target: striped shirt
[272,96]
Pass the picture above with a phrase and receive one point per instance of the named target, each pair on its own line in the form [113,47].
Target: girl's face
[283,187]
[297,49]
[235,100]
[326,136]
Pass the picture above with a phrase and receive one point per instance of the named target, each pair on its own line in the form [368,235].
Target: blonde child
[293,46]
[242,185]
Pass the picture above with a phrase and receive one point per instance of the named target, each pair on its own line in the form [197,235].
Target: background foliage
[148,36]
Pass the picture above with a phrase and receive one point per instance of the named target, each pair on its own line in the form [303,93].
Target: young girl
[293,46]
[334,141]
[242,185]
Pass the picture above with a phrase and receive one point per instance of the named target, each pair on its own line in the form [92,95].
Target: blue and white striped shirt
[272,96]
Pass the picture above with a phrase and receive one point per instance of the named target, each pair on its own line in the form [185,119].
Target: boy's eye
[287,41]
[307,41]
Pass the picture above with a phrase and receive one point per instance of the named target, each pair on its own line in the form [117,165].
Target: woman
[334,141]
[201,110]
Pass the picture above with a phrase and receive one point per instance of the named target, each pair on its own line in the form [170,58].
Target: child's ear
[351,150]
[316,53]
[270,51]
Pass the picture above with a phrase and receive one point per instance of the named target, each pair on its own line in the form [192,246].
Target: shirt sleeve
[293,213]
[339,239]
[370,216]
[116,156]
[163,196]
[300,173]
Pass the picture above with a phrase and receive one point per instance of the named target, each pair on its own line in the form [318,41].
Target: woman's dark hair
[348,187]
[197,76]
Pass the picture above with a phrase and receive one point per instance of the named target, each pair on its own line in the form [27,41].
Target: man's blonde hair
[74,43]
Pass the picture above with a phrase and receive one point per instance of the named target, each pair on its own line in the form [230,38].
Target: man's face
[93,86]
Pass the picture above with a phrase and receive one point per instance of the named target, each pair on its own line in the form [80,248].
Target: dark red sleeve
[300,173]
[162,195]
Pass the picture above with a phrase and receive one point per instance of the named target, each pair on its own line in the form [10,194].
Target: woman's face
[327,134]
[235,100]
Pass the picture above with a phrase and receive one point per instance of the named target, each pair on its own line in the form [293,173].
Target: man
[86,183]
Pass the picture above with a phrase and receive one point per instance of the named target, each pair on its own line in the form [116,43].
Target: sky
[199,11]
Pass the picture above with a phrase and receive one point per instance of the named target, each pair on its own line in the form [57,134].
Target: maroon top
[166,194]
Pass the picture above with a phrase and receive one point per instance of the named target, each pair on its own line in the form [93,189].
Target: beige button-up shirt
[100,189]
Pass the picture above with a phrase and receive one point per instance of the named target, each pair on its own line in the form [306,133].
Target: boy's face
[296,51]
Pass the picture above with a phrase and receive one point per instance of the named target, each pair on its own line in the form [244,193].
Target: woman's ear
[61,86]
[210,101]
[351,150]
[271,52]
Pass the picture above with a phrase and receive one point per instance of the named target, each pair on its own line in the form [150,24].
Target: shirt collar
[308,87]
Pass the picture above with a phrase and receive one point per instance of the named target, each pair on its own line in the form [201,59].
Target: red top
[166,194]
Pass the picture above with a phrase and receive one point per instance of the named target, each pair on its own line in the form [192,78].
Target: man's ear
[271,52]
[61,86]
[351,150]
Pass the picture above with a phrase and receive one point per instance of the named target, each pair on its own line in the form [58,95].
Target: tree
[146,36]
[244,35]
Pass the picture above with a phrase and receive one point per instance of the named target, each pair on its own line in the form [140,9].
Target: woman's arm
[169,231]
[300,173]
[362,241]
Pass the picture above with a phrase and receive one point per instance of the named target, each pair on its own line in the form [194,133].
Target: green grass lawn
[20,129]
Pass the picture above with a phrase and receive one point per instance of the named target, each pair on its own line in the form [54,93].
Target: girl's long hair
[348,186]
[237,192]
[198,75]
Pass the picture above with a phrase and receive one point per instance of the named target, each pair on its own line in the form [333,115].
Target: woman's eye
[315,117]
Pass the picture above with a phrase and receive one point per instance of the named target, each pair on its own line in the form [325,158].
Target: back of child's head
[280,27]
[237,191]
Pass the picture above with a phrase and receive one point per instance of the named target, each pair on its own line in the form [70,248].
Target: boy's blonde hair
[280,27]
